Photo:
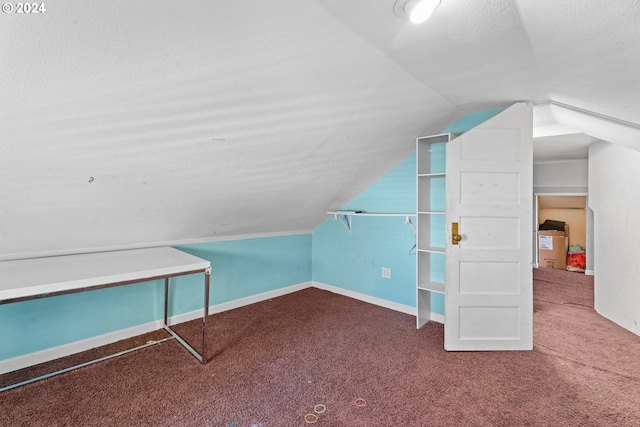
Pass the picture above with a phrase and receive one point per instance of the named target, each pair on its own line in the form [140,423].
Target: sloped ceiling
[128,124]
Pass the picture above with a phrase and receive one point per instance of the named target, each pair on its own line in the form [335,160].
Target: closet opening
[558,215]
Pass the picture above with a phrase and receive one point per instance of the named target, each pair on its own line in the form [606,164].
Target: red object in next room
[576,261]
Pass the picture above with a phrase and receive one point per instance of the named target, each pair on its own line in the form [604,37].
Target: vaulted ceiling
[136,123]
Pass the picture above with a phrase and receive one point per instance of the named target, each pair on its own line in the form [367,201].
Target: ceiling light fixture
[417,11]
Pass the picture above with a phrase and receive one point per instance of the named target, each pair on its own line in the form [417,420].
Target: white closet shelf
[433,249]
[432,287]
[345,217]
[433,175]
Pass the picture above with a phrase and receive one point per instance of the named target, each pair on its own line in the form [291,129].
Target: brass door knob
[455,237]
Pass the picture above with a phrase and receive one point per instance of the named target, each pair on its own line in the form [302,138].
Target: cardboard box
[552,249]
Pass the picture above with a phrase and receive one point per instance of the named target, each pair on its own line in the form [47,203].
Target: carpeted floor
[273,362]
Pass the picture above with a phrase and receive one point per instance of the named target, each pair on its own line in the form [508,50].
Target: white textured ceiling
[135,123]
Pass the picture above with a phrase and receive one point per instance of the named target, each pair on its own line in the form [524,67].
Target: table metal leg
[200,357]
[166,300]
[207,281]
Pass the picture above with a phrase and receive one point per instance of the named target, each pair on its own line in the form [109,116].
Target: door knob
[455,237]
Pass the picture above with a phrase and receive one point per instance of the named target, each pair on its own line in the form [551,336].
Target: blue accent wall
[354,260]
[35,325]
[240,268]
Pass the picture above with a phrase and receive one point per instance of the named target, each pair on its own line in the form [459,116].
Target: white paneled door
[488,292]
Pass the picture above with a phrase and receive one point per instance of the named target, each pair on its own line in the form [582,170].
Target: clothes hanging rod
[345,217]
[356,213]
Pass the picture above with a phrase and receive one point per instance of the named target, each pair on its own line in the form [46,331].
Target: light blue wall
[240,268]
[354,260]
[49,322]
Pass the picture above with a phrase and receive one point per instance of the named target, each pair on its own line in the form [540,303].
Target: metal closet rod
[358,213]
[345,217]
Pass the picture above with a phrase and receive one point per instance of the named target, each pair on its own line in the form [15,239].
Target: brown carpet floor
[272,362]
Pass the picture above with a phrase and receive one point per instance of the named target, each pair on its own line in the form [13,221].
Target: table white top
[37,276]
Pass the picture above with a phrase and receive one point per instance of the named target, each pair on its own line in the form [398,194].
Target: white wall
[569,176]
[613,196]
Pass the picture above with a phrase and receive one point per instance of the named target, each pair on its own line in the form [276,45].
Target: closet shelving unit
[345,217]
[430,222]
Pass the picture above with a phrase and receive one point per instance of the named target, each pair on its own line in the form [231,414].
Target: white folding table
[27,279]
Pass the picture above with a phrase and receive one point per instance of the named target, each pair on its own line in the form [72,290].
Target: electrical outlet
[386,273]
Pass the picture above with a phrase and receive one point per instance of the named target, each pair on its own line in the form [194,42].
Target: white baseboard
[366,298]
[437,317]
[589,273]
[407,309]
[219,308]
[53,353]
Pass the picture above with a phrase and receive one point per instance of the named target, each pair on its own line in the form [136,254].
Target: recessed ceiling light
[417,11]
